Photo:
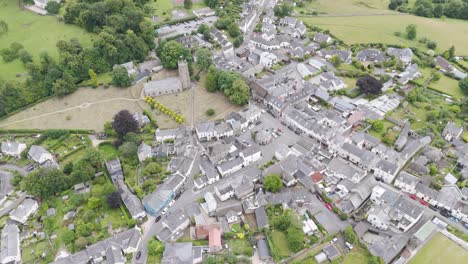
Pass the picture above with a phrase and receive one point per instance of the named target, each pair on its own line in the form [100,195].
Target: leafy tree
[52,7]
[282,222]
[24,56]
[93,78]
[188,4]
[120,77]
[45,182]
[411,32]
[463,83]
[203,57]
[68,237]
[272,183]
[336,60]
[295,238]
[210,112]
[203,28]
[451,52]
[211,80]
[377,125]
[239,93]
[172,52]
[369,85]
[431,45]
[350,235]
[94,203]
[238,41]
[128,150]
[152,169]
[82,171]
[283,9]
[233,29]
[113,200]
[123,122]
[65,85]
[155,247]
[433,170]
[3,27]
[375,260]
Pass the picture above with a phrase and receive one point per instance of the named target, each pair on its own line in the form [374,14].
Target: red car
[412,196]
[279,129]
[328,206]
[423,202]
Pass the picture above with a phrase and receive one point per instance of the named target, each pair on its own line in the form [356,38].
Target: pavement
[185,27]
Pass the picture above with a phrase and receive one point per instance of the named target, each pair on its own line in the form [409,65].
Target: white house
[224,192]
[406,182]
[206,131]
[230,166]
[268,59]
[43,3]
[386,170]
[232,217]
[12,148]
[251,155]
[24,210]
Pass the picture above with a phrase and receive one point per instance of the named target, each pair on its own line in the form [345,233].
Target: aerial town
[235,131]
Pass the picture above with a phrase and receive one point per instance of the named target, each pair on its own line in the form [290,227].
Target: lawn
[440,249]
[417,114]
[358,255]
[448,86]
[337,7]
[162,8]
[36,33]
[108,151]
[240,246]
[380,134]
[279,239]
[372,29]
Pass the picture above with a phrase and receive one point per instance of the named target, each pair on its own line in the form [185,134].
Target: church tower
[184,75]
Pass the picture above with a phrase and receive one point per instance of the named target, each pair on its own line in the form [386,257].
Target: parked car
[454,219]
[423,202]
[334,240]
[319,197]
[328,206]
[348,245]
[412,196]
[138,255]
[157,219]
[465,225]
[171,203]
[165,211]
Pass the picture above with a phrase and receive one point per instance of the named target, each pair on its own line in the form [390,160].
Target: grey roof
[452,129]
[114,254]
[407,206]
[130,200]
[426,190]
[387,166]
[449,195]
[404,55]
[319,37]
[180,253]
[114,168]
[175,218]
[373,55]
[331,251]
[10,242]
[35,152]
[408,178]
[261,217]
[12,147]
[263,250]
[231,164]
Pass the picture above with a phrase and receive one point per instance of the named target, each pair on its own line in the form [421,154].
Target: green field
[448,86]
[440,249]
[279,239]
[36,33]
[374,29]
[347,6]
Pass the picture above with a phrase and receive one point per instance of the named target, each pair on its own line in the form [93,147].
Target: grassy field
[371,29]
[36,33]
[440,249]
[347,6]
[162,8]
[448,86]
[279,239]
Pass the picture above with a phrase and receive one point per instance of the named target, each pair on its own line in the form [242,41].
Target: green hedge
[37,131]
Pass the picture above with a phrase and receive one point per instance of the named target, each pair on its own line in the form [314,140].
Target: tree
[203,28]
[81,243]
[128,150]
[238,41]
[233,29]
[68,236]
[3,27]
[451,52]
[94,203]
[188,4]
[211,81]
[123,122]
[411,31]
[93,78]
[431,45]
[24,56]
[171,53]
[350,235]
[203,61]
[272,183]
[239,93]
[377,125]
[45,182]
[295,238]
[120,77]
[210,112]
[155,247]
[336,60]
[375,260]
[65,85]
[282,222]
[283,9]
[463,83]
[369,85]
[52,7]
[113,200]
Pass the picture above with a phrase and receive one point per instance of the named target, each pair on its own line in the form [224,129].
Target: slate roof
[180,253]
[261,217]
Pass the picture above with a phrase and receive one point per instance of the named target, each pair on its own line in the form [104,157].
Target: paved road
[13,167]
[187,27]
